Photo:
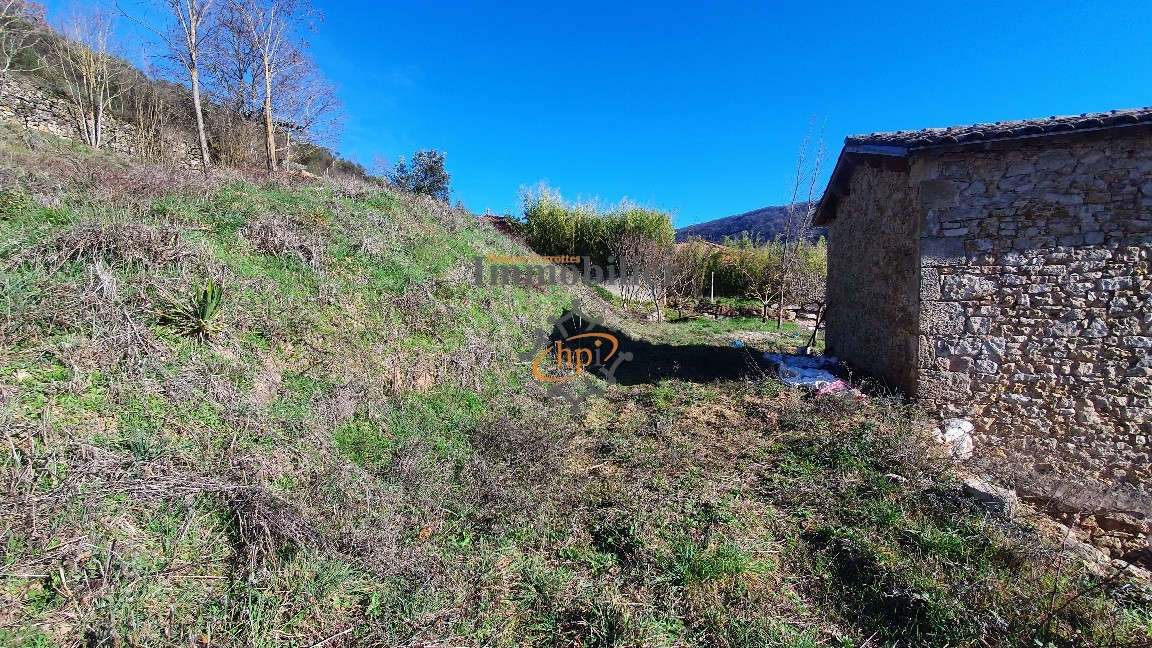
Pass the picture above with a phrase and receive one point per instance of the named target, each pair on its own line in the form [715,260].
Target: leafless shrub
[374,233]
[355,188]
[518,471]
[265,522]
[117,243]
[472,359]
[416,307]
[152,115]
[336,408]
[276,237]
[372,521]
[98,304]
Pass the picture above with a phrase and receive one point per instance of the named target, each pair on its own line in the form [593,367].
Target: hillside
[347,451]
[764,224]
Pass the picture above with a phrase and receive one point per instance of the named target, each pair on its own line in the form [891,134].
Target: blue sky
[700,108]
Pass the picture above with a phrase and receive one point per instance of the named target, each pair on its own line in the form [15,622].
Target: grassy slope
[356,456]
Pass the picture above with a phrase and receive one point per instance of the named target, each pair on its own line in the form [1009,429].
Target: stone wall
[1036,321]
[22,103]
[872,269]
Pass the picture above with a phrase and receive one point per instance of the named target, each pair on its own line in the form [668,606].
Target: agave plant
[193,317]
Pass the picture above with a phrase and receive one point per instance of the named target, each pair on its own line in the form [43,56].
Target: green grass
[689,564]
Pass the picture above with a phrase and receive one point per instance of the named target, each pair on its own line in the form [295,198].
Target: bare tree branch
[272,26]
[19,22]
[90,77]
[184,38]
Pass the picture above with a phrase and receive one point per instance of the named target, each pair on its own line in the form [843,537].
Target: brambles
[276,237]
[118,243]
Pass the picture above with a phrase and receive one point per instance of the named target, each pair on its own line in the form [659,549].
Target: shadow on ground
[700,363]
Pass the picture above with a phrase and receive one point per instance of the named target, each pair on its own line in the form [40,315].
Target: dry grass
[117,243]
[277,237]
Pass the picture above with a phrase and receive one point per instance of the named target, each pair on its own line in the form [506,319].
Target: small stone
[1020,168]
[1097,329]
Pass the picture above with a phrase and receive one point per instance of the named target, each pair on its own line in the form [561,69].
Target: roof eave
[850,156]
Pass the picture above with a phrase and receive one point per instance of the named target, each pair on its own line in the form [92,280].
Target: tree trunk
[269,125]
[97,122]
[195,74]
[780,311]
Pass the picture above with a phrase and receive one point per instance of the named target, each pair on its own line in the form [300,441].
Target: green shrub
[424,175]
[194,316]
[736,268]
[554,227]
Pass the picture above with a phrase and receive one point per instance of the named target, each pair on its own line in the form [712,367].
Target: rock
[1109,544]
[1116,523]
[994,499]
[957,435]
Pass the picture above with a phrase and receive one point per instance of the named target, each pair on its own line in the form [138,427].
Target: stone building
[1000,273]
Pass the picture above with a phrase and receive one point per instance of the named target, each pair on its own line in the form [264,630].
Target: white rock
[957,435]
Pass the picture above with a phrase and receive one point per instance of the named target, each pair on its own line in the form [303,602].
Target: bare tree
[811,290]
[271,26]
[686,277]
[231,65]
[307,105]
[151,115]
[647,263]
[19,21]
[185,37]
[800,211]
[759,266]
[89,72]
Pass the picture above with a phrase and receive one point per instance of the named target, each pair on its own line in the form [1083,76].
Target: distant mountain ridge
[764,224]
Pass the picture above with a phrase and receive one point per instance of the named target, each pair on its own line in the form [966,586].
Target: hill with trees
[764,224]
[234,78]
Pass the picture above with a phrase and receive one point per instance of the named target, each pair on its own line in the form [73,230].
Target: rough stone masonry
[1000,273]
[21,102]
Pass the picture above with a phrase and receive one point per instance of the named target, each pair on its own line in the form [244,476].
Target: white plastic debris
[804,371]
[957,434]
